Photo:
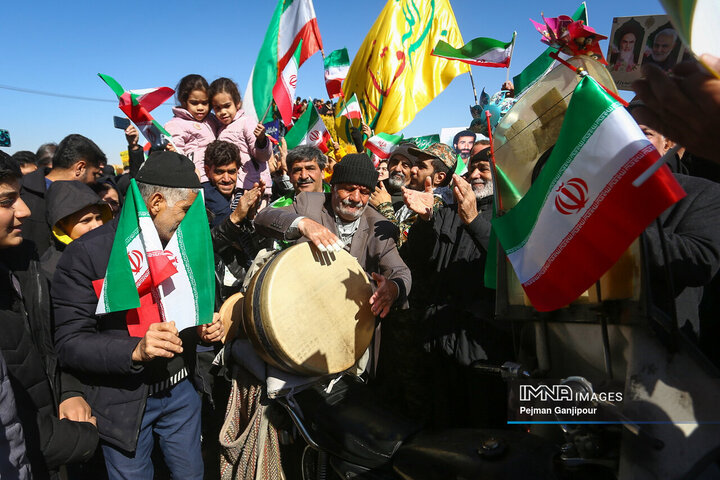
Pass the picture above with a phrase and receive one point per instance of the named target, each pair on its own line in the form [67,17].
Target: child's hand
[259,131]
[170,147]
[132,136]
[367,130]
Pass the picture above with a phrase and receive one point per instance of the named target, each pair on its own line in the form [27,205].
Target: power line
[61,95]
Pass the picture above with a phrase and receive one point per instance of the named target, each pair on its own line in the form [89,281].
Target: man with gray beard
[341,220]
[446,252]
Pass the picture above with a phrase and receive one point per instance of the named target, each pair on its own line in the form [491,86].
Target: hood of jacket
[67,197]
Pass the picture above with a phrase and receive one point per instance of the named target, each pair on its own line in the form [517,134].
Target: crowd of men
[81,398]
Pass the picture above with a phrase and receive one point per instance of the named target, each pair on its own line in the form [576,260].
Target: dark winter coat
[32,192]
[65,198]
[26,344]
[98,350]
[691,229]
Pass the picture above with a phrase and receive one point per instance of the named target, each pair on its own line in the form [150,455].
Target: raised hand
[132,136]
[420,202]
[211,332]
[385,295]
[465,196]
[380,196]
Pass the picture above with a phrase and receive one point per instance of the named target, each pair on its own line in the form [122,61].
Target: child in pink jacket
[193,127]
[237,128]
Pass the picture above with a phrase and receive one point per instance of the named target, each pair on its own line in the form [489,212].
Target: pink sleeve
[261,155]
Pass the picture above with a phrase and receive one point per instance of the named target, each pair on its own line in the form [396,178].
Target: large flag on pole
[544,63]
[393,74]
[481,52]
[154,283]
[583,211]
[308,130]
[293,21]
[137,105]
[337,65]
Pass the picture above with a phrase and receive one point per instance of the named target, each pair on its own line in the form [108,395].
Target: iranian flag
[293,22]
[174,283]
[284,89]
[351,109]
[583,211]
[337,65]
[382,145]
[308,130]
[137,105]
[481,52]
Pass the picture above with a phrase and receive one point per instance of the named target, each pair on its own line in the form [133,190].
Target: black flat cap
[168,169]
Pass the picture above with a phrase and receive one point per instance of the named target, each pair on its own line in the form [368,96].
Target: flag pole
[472,81]
[512,50]
[266,112]
[488,115]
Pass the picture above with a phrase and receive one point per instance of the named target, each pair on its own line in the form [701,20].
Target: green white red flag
[337,65]
[382,145]
[308,130]
[284,89]
[351,109]
[293,22]
[174,283]
[137,105]
[481,52]
[583,211]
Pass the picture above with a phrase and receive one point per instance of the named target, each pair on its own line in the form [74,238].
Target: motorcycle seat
[350,423]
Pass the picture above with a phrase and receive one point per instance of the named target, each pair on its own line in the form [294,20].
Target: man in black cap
[138,388]
[341,220]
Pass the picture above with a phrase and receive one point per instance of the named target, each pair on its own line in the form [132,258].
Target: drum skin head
[309,313]
[231,316]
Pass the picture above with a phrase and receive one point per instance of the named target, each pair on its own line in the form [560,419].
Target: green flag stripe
[578,126]
[113,84]
[266,67]
[337,58]
[473,49]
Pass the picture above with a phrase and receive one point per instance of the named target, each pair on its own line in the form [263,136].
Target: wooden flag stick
[473,86]
[488,116]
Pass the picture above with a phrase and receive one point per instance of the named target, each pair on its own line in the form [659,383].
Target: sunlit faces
[382,170]
[223,178]
[306,176]
[112,198]
[224,107]
[82,221]
[198,104]
[349,201]
[419,172]
[399,171]
[167,218]
[86,173]
[13,213]
[480,177]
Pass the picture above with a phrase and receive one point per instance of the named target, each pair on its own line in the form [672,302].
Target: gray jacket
[373,245]
[14,464]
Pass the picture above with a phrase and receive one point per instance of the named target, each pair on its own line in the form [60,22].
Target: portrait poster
[639,40]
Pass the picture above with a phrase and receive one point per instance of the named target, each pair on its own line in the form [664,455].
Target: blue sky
[60,47]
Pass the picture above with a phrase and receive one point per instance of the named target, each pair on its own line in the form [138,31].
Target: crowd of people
[81,398]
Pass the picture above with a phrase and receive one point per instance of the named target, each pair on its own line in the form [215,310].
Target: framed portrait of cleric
[635,41]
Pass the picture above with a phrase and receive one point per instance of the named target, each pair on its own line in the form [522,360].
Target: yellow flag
[393,74]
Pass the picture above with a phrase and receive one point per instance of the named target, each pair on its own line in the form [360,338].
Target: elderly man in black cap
[341,220]
[138,388]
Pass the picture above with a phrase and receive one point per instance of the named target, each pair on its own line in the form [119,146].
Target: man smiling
[222,161]
[340,219]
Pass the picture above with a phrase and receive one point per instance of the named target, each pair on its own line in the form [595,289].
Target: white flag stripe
[333,73]
[617,138]
[292,21]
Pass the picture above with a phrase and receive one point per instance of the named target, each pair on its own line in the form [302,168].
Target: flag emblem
[572,196]
[136,260]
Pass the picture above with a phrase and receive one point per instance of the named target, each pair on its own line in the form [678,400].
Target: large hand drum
[309,313]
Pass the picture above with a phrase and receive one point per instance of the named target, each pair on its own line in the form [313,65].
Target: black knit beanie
[356,169]
[168,169]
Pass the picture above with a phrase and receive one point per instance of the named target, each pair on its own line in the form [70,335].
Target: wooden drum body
[309,313]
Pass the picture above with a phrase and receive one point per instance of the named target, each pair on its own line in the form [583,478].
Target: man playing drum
[341,220]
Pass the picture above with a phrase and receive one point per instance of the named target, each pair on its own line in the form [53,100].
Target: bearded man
[341,220]
[446,252]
